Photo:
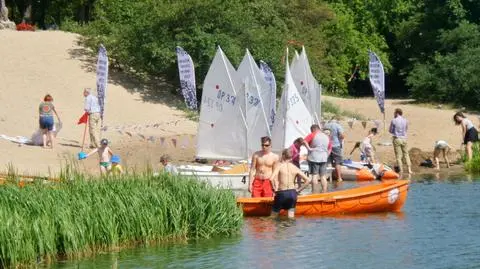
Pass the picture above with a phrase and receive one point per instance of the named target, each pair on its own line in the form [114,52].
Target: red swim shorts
[262,188]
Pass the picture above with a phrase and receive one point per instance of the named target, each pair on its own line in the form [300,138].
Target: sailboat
[222,128]
[255,89]
[270,106]
[293,119]
[308,86]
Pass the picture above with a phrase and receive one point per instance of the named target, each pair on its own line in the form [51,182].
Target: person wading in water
[283,179]
[261,169]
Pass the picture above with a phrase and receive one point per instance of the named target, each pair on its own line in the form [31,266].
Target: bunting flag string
[364,124]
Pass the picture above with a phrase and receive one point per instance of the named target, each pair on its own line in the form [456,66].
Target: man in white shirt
[93,109]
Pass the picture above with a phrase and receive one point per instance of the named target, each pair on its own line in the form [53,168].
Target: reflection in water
[437,229]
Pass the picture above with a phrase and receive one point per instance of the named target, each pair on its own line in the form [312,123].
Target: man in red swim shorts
[261,170]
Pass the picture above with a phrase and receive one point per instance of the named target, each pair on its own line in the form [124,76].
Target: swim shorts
[262,188]
[286,199]
[105,164]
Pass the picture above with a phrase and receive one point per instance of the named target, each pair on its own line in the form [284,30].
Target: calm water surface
[438,228]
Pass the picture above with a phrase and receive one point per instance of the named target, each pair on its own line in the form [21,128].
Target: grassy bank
[473,166]
[82,216]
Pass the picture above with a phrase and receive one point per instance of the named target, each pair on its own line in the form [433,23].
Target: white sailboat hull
[224,181]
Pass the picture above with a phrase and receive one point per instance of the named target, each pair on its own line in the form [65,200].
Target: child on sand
[444,147]
[168,167]
[104,153]
[116,166]
[367,146]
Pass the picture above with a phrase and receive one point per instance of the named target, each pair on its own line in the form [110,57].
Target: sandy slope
[138,118]
[36,63]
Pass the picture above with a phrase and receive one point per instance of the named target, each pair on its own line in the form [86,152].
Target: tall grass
[473,166]
[80,216]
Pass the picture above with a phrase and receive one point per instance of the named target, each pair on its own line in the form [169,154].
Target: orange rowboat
[387,196]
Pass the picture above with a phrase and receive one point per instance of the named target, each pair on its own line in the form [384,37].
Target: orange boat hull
[388,196]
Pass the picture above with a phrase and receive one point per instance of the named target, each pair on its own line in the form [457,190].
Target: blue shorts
[46,122]
[286,199]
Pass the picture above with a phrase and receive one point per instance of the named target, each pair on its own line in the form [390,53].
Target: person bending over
[283,180]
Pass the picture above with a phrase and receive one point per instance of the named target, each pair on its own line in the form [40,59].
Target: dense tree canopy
[429,48]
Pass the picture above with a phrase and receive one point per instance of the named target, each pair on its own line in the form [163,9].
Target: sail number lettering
[292,101]
[252,100]
[304,91]
[226,97]
[212,104]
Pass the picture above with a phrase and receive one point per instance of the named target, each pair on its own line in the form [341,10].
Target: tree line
[429,47]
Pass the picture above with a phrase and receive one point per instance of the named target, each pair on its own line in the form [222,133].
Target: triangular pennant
[364,124]
[174,142]
[350,123]
[377,123]
[162,141]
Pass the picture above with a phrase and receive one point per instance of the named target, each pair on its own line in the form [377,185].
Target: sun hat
[115,159]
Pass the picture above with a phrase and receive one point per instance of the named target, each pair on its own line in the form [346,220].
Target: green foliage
[452,74]
[429,48]
[330,108]
[473,166]
[81,216]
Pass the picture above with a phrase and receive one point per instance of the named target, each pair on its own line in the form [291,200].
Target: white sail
[293,119]
[222,127]
[272,105]
[295,59]
[307,85]
[315,90]
[257,91]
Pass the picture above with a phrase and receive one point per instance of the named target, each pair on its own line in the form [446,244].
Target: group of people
[108,162]
[281,177]
[398,129]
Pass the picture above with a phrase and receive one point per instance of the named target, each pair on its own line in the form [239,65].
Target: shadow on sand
[152,89]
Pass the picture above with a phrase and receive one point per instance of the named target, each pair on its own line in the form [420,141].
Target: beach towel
[35,139]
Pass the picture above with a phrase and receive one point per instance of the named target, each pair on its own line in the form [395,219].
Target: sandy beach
[140,121]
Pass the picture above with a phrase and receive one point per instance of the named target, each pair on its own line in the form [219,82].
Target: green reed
[473,166]
[80,215]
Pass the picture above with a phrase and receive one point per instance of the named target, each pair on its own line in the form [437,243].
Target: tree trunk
[27,15]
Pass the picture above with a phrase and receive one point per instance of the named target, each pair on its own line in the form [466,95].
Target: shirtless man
[261,169]
[284,179]
[104,154]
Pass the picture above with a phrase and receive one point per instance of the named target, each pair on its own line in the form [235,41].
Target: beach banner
[377,79]
[270,78]
[186,72]
[102,78]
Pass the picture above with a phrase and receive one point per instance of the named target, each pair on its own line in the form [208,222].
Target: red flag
[83,118]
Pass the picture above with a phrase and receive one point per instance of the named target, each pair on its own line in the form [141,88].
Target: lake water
[438,228]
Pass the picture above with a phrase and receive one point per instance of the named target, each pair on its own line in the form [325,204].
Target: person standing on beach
[469,132]
[319,147]
[46,109]
[283,180]
[336,156]
[93,109]
[261,170]
[398,129]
